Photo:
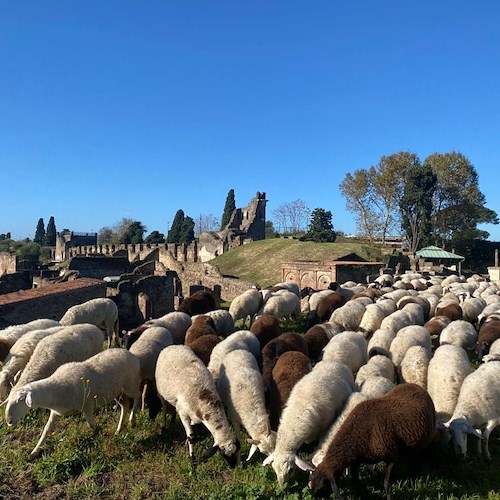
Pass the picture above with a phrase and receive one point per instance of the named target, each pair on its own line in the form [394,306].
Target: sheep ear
[21,396]
[253,449]
[474,432]
[210,452]
[302,464]
[28,400]
[268,460]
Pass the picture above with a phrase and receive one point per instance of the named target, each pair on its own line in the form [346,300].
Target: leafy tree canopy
[320,227]
[155,237]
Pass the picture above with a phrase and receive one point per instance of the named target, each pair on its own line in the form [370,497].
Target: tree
[106,236]
[40,232]
[206,223]
[458,203]
[155,237]
[292,217]
[30,251]
[175,231]
[50,235]
[357,189]
[187,230]
[270,232]
[320,227]
[132,233]
[229,208]
[416,206]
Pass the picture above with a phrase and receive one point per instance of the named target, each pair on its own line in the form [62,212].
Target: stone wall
[20,280]
[98,266]
[8,263]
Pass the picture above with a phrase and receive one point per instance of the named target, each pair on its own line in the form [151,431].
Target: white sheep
[183,381]
[493,354]
[377,366]
[396,321]
[414,366]
[224,324]
[283,305]
[406,338]
[460,333]
[415,312]
[315,298]
[347,347]
[386,304]
[372,319]
[472,308]
[80,387]
[176,322]
[241,389]
[242,339]
[380,342]
[305,417]
[447,370]
[246,305]
[10,335]
[101,312]
[349,316]
[19,355]
[478,407]
[72,343]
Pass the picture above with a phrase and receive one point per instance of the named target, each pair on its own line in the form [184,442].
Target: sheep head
[459,428]
[18,405]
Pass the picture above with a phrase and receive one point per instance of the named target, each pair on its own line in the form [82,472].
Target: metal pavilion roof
[433,252]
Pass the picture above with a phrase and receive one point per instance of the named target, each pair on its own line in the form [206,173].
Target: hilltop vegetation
[260,261]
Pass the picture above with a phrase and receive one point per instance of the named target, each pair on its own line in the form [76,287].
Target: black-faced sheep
[401,422]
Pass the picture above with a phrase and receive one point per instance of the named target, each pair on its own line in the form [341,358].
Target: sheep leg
[486,437]
[125,407]
[46,430]
[186,422]
[387,480]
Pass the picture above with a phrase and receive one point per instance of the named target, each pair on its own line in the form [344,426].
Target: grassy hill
[260,261]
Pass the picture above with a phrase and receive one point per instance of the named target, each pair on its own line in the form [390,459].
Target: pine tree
[40,232]
[175,231]
[187,231]
[229,208]
[50,236]
[320,227]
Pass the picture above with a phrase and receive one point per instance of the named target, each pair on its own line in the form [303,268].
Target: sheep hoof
[34,455]
[194,462]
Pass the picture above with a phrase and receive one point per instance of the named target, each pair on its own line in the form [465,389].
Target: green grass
[260,261]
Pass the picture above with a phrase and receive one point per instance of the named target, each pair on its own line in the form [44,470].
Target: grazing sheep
[478,407]
[290,367]
[72,343]
[416,313]
[406,338]
[488,333]
[450,309]
[447,370]
[19,356]
[372,319]
[472,308]
[328,304]
[246,305]
[79,387]
[401,422]
[414,366]
[201,325]
[101,312]
[348,316]
[374,387]
[315,298]
[242,391]
[242,339]
[184,382]
[304,418]
[291,286]
[493,308]
[318,336]
[204,346]
[493,355]
[387,305]
[377,366]
[266,328]
[224,324]
[380,342]
[435,326]
[349,348]
[10,335]
[283,305]
[460,333]
[276,347]
[199,302]
[175,322]
[396,321]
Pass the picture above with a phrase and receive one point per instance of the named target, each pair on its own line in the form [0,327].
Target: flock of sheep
[382,371]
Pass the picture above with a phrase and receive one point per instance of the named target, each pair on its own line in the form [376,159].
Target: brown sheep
[451,310]
[435,326]
[203,347]
[316,338]
[289,369]
[275,348]
[328,304]
[488,333]
[202,325]
[199,302]
[400,423]
[266,328]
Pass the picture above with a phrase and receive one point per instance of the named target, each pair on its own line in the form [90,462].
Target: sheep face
[459,428]
[284,465]
[17,407]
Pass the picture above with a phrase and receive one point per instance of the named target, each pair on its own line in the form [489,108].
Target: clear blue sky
[113,109]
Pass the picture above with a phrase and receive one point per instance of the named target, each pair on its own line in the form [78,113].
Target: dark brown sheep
[203,347]
[328,304]
[275,348]
[451,310]
[202,325]
[199,303]
[400,423]
[4,349]
[316,338]
[435,326]
[289,369]
[488,333]
[266,328]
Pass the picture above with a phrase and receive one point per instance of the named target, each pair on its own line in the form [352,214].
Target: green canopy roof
[433,252]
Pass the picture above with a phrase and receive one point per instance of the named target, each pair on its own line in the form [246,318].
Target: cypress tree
[50,236]
[175,231]
[40,232]
[229,208]
[187,231]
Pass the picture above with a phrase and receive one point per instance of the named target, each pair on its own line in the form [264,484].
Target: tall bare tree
[205,223]
[291,217]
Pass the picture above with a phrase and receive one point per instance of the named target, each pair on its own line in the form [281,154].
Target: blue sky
[113,109]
